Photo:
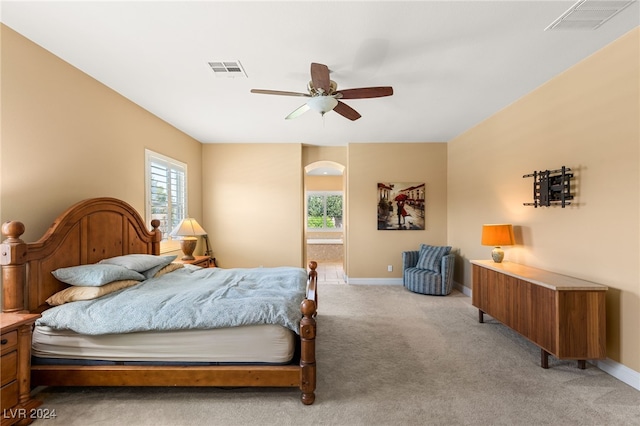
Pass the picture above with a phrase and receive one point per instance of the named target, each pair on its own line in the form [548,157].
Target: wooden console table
[564,316]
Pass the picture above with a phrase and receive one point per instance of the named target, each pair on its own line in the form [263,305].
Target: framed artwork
[400,206]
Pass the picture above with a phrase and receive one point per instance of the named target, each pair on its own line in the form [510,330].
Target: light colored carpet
[385,357]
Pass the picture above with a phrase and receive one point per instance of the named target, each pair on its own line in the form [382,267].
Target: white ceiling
[452,64]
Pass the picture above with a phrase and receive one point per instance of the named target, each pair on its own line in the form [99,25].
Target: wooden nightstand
[15,376]
[203,261]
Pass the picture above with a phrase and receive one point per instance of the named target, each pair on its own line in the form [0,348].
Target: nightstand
[203,261]
[15,369]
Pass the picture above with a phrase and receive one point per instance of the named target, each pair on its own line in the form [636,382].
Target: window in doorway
[324,211]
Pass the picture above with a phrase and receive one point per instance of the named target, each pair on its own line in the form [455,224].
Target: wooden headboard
[87,232]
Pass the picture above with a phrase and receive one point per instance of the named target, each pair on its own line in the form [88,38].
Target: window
[166,190]
[324,211]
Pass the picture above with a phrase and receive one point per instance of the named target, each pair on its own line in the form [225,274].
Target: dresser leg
[480,316]
[544,358]
[582,364]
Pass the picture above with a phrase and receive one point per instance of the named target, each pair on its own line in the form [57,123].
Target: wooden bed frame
[99,228]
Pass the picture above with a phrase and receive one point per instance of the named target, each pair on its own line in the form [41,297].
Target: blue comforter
[190,299]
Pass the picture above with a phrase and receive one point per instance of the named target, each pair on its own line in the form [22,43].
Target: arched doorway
[325,219]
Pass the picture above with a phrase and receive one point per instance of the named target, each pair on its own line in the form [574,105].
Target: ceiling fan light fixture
[322,104]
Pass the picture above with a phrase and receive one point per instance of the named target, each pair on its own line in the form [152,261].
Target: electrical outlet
[389,268]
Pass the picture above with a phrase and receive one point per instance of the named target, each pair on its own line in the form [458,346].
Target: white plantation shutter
[166,191]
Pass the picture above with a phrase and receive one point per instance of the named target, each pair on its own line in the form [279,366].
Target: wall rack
[551,187]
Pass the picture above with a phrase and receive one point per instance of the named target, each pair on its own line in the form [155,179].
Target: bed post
[13,258]
[308,340]
[157,237]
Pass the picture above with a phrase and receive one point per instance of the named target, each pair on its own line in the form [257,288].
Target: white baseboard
[609,366]
[620,372]
[462,289]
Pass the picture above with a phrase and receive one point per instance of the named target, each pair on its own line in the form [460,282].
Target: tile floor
[330,273]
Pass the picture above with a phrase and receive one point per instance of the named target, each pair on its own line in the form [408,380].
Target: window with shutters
[166,193]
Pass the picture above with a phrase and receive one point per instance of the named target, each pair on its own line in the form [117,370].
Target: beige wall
[588,119]
[66,137]
[324,183]
[369,250]
[253,203]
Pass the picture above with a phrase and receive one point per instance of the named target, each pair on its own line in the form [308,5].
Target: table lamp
[188,229]
[497,235]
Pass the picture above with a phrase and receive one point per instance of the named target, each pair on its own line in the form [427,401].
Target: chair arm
[410,259]
[446,268]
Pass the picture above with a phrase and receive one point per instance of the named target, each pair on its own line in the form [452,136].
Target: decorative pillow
[430,257]
[169,268]
[95,275]
[150,273]
[137,262]
[73,294]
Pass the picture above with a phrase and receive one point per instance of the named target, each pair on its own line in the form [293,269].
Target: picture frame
[401,206]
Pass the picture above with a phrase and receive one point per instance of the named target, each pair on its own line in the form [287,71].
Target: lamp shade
[189,227]
[497,235]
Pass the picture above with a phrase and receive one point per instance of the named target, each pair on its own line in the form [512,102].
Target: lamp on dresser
[497,235]
[189,229]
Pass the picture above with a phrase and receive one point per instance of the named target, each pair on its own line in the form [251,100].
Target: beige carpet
[385,357]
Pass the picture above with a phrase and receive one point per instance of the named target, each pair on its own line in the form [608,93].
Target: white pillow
[138,262]
[95,275]
[147,264]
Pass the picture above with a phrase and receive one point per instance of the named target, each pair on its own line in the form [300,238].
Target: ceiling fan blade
[278,92]
[320,77]
[366,92]
[298,112]
[346,111]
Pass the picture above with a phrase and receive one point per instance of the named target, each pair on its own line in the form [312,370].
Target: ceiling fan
[325,95]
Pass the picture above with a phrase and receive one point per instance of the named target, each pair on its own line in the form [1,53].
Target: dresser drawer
[8,368]
[9,395]
[8,341]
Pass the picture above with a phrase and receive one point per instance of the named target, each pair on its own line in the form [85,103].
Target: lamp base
[188,246]
[497,254]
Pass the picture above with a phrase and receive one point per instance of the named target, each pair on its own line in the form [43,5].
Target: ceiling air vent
[588,14]
[228,69]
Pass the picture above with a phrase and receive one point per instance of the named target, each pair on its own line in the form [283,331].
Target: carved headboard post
[13,258]
[157,237]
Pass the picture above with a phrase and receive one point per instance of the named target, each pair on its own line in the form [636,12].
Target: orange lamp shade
[497,235]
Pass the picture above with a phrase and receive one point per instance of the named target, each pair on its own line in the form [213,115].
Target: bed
[101,229]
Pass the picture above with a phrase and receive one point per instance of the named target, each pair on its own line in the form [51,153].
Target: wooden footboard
[106,227]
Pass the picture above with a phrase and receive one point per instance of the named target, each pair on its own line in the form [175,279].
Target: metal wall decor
[551,187]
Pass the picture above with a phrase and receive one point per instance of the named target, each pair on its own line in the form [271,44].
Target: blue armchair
[428,270]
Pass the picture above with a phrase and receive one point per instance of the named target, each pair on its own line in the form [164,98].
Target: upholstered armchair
[428,270]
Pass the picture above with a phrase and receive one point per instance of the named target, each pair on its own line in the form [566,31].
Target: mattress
[271,344]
